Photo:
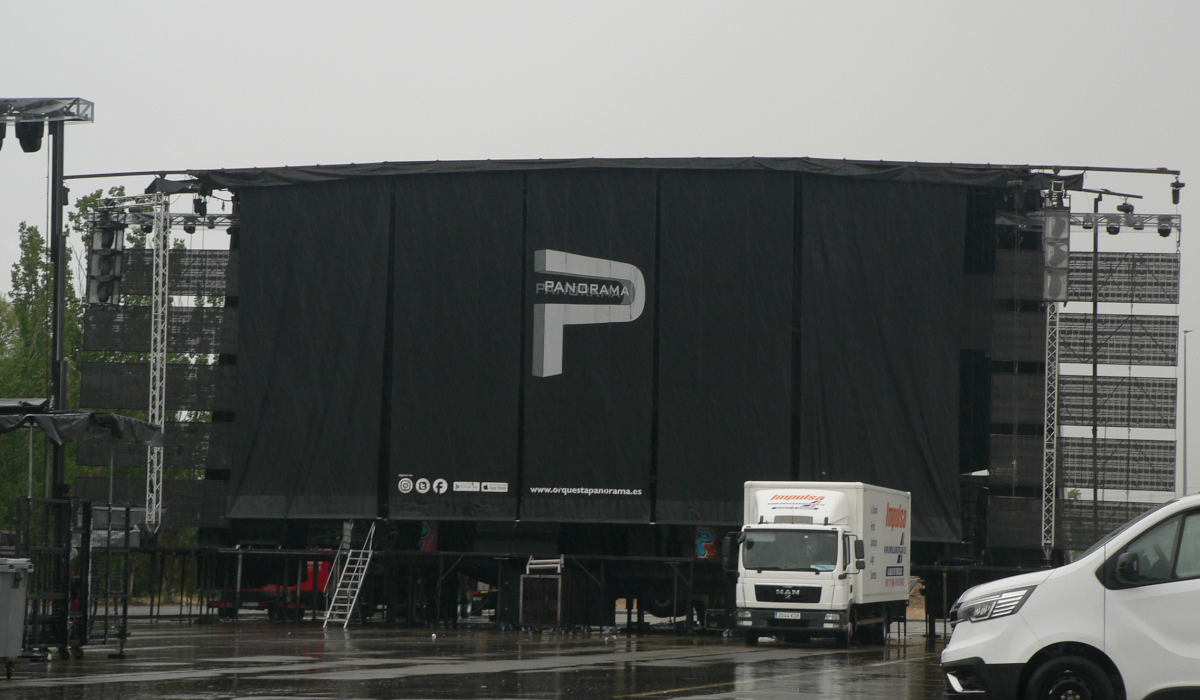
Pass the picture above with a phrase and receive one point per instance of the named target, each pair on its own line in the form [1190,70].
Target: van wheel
[1070,678]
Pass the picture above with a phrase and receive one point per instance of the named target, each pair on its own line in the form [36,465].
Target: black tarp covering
[883,282]
[588,429]
[803,319]
[456,354]
[311,335]
[70,426]
[725,338]
[992,176]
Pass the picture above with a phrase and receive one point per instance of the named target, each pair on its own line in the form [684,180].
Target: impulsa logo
[895,517]
[591,290]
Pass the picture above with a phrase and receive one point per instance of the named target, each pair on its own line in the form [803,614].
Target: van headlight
[991,606]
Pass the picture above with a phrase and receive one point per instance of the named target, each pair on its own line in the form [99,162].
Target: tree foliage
[25,325]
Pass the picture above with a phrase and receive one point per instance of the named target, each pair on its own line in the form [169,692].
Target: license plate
[789,616]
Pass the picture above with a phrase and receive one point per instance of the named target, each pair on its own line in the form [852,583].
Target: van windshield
[1104,540]
[790,550]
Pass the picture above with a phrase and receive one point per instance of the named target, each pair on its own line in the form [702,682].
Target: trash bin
[14,586]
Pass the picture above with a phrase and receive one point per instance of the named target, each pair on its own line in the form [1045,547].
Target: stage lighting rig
[30,115]
[1175,187]
[1163,224]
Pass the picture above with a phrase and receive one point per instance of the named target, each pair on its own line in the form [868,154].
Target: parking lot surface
[261,659]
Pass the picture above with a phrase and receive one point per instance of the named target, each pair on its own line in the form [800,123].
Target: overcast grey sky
[238,83]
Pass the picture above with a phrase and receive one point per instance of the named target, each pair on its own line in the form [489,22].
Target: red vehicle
[281,601]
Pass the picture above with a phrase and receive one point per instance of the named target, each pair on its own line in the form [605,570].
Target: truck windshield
[790,550]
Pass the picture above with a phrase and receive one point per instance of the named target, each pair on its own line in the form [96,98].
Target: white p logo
[549,319]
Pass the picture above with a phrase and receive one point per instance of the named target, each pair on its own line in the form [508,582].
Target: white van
[1122,621]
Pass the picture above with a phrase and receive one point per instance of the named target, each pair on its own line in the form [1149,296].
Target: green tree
[25,326]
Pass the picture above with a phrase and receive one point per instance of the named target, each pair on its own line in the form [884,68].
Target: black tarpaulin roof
[8,406]
[69,426]
[975,175]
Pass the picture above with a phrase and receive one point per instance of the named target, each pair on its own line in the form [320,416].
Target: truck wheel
[847,636]
[751,639]
[664,604]
[869,635]
[1070,678]
[879,634]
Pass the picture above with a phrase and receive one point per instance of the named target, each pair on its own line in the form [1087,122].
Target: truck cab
[793,580]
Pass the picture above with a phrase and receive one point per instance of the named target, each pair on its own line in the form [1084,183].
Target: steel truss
[1134,221]
[1050,432]
[159,303]
[153,209]
[210,221]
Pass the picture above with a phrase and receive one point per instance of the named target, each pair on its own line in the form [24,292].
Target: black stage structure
[586,358]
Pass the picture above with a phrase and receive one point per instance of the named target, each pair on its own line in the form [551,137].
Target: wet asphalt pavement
[260,659]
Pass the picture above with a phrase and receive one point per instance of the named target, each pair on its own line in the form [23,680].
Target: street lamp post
[58,257]
[33,112]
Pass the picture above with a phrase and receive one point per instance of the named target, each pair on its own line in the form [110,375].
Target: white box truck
[820,558]
[1121,621]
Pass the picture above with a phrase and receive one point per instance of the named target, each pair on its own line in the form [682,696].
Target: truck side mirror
[1127,568]
[860,555]
[729,545]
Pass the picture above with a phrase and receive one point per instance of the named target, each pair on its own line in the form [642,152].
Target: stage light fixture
[147,227]
[1113,229]
[1126,209]
[1087,223]
[1164,226]
[200,206]
[1175,187]
[189,225]
[30,135]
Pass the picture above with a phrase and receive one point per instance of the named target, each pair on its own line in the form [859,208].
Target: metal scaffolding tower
[1050,432]
[150,212]
[160,302]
